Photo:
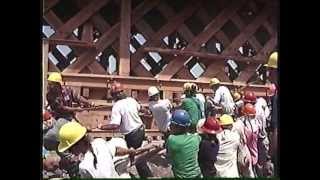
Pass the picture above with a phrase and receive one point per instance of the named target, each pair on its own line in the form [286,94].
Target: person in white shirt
[96,156]
[160,109]
[262,115]
[222,97]
[226,163]
[125,116]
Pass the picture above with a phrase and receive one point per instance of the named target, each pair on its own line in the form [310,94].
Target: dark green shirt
[192,106]
[183,151]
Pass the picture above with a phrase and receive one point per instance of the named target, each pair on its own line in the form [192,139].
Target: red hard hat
[249,97]
[210,126]
[116,87]
[249,109]
[46,115]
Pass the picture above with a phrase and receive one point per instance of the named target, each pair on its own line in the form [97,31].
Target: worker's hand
[132,152]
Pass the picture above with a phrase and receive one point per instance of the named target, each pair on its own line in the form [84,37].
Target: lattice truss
[243,30]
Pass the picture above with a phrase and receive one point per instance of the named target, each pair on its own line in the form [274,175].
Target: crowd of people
[230,133]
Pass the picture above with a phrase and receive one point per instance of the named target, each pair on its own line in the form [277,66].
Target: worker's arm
[123,151]
[115,119]
[71,109]
[80,99]
[110,127]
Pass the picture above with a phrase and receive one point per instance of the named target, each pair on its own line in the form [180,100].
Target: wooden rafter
[165,30]
[143,83]
[81,17]
[213,27]
[125,34]
[76,43]
[240,39]
[203,55]
[108,37]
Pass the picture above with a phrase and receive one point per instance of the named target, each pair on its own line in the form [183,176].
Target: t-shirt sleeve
[115,115]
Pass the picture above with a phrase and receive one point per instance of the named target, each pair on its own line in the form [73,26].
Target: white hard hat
[152,91]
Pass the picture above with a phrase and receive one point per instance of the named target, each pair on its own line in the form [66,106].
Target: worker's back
[192,106]
[226,163]
[183,151]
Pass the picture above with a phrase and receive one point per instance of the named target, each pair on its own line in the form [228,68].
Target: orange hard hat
[249,109]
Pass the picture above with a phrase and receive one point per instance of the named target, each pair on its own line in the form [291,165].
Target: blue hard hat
[181,118]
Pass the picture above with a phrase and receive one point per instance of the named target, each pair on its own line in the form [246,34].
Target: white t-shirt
[104,153]
[262,113]
[161,113]
[121,163]
[226,163]
[125,113]
[223,96]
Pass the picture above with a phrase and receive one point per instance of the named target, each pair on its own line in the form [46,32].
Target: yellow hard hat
[69,134]
[55,77]
[273,60]
[225,120]
[187,86]
[236,96]
[214,81]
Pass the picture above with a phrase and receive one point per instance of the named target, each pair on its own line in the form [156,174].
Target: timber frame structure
[157,43]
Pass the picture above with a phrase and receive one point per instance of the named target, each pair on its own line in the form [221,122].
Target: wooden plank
[165,30]
[96,68]
[125,35]
[249,30]
[75,43]
[184,73]
[56,23]
[168,95]
[213,27]
[141,83]
[45,51]
[81,17]
[110,36]
[48,4]
[240,39]
[87,32]
[205,55]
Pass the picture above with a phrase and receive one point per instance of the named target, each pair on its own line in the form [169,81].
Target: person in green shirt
[192,105]
[183,147]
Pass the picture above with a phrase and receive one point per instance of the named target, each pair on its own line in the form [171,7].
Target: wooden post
[125,33]
[45,51]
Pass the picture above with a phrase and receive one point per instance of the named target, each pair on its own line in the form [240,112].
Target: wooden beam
[75,43]
[213,27]
[81,17]
[125,35]
[45,51]
[245,34]
[143,83]
[165,30]
[48,4]
[203,55]
[108,37]
[249,30]
[56,23]
[87,32]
